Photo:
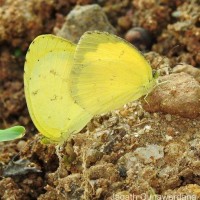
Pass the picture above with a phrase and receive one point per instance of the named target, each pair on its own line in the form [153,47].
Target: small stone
[177,94]
[139,37]
[149,153]
[124,112]
[168,138]
[122,171]
[141,131]
[170,131]
[124,22]
[168,117]
[136,134]
[147,128]
[189,69]
[82,19]
[92,156]
[20,145]
[106,171]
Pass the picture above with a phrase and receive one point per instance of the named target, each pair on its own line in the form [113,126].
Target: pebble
[20,145]
[82,19]
[189,69]
[179,94]
[149,153]
[139,37]
[168,117]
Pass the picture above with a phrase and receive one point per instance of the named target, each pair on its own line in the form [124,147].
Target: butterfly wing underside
[107,73]
[46,79]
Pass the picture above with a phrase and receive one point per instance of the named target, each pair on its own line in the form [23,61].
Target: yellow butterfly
[46,79]
[108,72]
[66,85]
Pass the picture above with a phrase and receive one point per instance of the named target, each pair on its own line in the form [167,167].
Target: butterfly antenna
[169,54]
[172,50]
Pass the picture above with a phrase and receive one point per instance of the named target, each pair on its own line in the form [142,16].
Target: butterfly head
[155,74]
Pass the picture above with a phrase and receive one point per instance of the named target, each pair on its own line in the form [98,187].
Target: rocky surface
[148,147]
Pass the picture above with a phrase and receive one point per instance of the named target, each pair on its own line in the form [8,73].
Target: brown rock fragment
[106,171]
[72,185]
[176,94]
[10,190]
[189,69]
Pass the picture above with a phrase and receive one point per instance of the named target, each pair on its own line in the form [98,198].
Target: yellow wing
[108,72]
[46,79]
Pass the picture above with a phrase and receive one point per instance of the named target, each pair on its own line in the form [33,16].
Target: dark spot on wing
[54,98]
[35,92]
[52,71]
[121,54]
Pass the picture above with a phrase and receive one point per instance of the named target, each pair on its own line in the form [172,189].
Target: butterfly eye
[155,74]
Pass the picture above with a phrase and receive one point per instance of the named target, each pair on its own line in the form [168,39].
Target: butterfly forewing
[107,73]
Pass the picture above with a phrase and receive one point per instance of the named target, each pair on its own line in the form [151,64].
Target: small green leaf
[12,133]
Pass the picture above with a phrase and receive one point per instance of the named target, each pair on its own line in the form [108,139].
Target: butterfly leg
[145,99]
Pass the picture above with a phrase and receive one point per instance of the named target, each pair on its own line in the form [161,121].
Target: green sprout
[12,133]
